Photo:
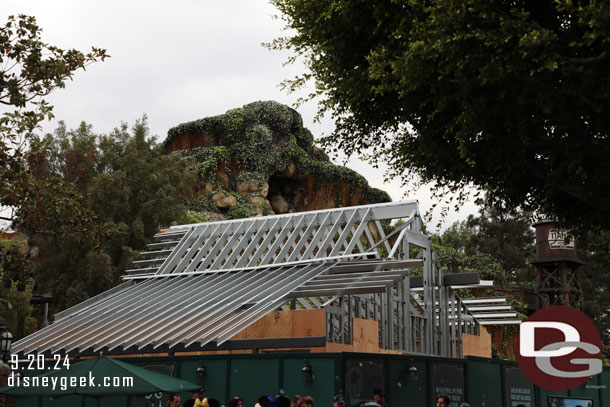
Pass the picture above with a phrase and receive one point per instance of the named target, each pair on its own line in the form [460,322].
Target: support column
[429,300]
[406,298]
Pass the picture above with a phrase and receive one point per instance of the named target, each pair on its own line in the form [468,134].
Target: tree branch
[561,184]
[591,60]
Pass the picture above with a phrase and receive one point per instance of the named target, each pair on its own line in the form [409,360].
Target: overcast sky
[176,61]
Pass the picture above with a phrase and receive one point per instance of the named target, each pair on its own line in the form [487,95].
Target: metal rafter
[205,282]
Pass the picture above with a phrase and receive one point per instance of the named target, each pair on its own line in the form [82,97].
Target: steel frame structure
[204,283]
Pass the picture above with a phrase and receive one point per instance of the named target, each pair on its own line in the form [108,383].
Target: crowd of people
[198,400]
[378,400]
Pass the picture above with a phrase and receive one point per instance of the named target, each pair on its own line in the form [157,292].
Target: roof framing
[203,283]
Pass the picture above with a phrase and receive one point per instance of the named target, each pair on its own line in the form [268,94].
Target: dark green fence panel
[28,401]
[404,389]
[517,388]
[543,396]
[251,378]
[362,376]
[448,378]
[589,390]
[116,401]
[75,401]
[484,384]
[215,381]
[605,387]
[322,385]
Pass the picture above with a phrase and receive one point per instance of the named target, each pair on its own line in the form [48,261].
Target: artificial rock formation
[259,160]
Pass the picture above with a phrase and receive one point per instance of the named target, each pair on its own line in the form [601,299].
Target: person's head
[378,396]
[283,401]
[263,401]
[174,400]
[443,400]
[305,402]
[213,403]
[467,405]
[236,402]
[338,400]
[295,400]
[198,393]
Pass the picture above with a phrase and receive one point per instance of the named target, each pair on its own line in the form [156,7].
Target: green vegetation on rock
[247,153]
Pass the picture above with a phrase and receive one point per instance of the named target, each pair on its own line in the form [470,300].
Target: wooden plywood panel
[291,349]
[366,335]
[308,323]
[132,355]
[278,324]
[256,330]
[286,324]
[240,351]
[390,351]
[239,335]
[477,345]
[338,348]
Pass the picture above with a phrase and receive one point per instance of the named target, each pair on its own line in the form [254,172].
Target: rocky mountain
[260,160]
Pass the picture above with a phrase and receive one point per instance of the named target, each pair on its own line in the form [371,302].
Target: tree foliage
[509,96]
[30,69]
[122,190]
[15,293]
[504,233]
[595,281]
[497,243]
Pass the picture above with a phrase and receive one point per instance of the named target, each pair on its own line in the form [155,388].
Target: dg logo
[559,348]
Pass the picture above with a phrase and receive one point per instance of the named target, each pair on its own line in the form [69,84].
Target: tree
[30,70]
[497,243]
[15,294]
[498,233]
[509,96]
[503,233]
[453,260]
[594,280]
[123,189]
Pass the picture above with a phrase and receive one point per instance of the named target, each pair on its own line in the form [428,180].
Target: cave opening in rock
[281,193]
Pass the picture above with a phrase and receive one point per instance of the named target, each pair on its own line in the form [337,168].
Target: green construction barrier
[605,387]
[321,386]
[406,386]
[484,383]
[409,380]
[252,378]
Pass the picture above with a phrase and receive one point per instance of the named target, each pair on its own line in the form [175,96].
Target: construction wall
[306,323]
[479,381]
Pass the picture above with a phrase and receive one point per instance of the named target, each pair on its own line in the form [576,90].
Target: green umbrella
[99,377]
